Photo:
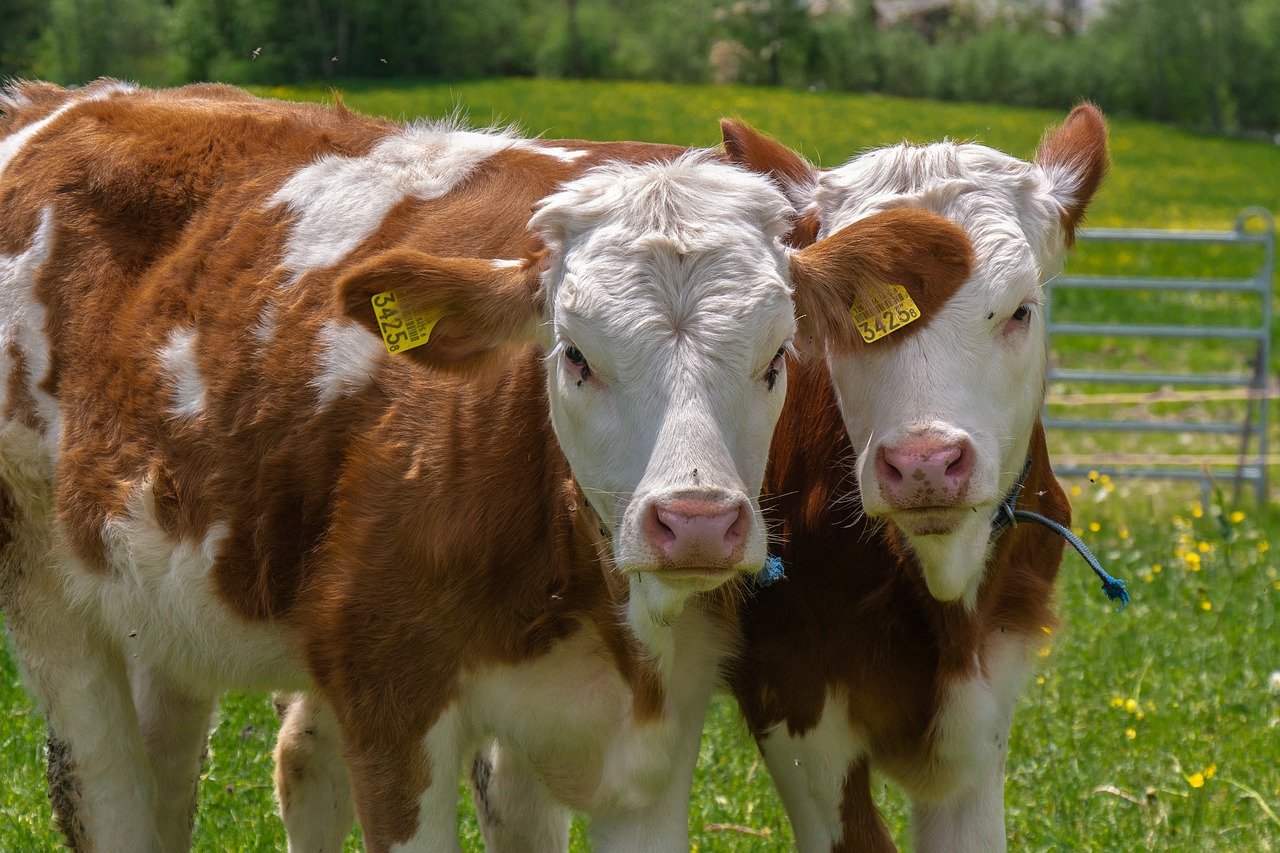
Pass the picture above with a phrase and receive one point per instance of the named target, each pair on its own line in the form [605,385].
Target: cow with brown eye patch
[575,357]
[771,375]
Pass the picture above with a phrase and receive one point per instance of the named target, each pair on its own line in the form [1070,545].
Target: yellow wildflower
[1197,511]
[1148,577]
[1264,546]
[1131,705]
[1204,547]
[1156,568]
[1046,629]
[1193,561]
[1195,780]
[1044,652]
[1206,605]
[1117,701]
[1094,527]
[1093,476]
[1075,491]
[1104,479]
[1236,517]
[1039,679]
[1124,533]
[1130,734]
[1139,714]
[1210,770]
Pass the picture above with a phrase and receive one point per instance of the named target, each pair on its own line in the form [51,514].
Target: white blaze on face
[942,418]
[668,301]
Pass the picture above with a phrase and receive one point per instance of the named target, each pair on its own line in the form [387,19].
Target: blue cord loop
[1008,515]
[771,573]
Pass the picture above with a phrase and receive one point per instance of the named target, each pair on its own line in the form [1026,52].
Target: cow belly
[158,603]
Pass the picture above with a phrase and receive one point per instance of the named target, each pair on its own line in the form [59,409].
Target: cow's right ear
[480,308]
[927,255]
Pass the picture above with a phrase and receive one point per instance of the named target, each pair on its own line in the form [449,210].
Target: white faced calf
[941,412]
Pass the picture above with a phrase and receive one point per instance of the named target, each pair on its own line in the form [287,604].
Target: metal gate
[1248,462]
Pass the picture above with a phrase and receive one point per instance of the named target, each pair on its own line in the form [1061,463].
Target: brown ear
[487,306]
[1075,157]
[751,149]
[928,255]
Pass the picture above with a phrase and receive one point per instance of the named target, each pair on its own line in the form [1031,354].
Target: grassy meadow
[1157,728]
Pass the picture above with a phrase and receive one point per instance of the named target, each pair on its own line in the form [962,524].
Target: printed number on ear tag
[403,329]
[885,316]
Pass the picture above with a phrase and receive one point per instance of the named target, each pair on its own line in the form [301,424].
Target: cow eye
[574,356]
[1019,320]
[771,375]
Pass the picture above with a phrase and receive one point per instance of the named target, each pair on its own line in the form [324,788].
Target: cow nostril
[887,470]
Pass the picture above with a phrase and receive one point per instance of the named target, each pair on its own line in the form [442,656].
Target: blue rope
[1008,514]
[771,573]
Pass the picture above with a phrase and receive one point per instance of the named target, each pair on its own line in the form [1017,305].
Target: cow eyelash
[575,357]
[771,375]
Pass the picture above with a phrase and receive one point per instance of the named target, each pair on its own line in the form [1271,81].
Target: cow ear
[928,255]
[751,149]
[1074,156]
[480,308]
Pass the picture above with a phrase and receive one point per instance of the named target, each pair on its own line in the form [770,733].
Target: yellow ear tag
[402,329]
[886,315]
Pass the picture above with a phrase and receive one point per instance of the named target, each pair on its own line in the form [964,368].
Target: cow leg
[971,821]
[100,783]
[515,810]
[664,823]
[825,786]
[175,731]
[407,791]
[312,785]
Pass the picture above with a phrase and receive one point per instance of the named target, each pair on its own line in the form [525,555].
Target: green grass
[1076,780]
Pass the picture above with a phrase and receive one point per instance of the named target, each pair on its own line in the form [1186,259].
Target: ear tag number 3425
[403,329]
[886,316]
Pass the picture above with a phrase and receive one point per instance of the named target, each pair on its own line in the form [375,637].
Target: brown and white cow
[215,475]
[900,640]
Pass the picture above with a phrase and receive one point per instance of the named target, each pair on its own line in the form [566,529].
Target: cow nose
[924,471]
[698,532]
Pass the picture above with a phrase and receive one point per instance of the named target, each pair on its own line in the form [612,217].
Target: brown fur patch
[64,793]
[928,255]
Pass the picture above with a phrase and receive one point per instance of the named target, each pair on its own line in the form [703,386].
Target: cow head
[941,410]
[664,303]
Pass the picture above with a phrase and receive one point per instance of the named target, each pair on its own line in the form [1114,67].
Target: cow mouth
[699,578]
[931,520]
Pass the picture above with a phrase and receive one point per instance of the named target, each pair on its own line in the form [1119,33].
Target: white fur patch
[162,605]
[348,360]
[12,144]
[179,361]
[22,321]
[339,201]
[809,771]
[567,155]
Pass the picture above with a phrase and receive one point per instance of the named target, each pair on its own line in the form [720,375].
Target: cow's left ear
[794,175]
[1074,156]
[476,308]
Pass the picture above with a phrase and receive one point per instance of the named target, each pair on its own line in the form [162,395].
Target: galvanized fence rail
[1250,464]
